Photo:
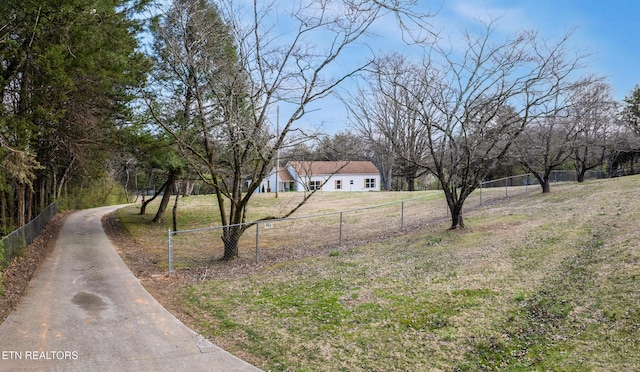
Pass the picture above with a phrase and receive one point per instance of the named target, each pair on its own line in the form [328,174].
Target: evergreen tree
[631,110]
[66,72]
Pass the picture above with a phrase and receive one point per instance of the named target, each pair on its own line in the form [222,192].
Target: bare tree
[594,109]
[545,145]
[342,146]
[625,141]
[233,66]
[367,114]
[476,100]
[569,133]
[385,114]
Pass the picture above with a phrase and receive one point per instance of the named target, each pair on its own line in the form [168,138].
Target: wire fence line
[300,236]
[529,179]
[295,237]
[12,244]
[525,183]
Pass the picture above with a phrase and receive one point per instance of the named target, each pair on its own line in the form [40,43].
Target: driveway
[85,311]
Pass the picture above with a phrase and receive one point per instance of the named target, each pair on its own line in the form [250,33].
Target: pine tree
[66,72]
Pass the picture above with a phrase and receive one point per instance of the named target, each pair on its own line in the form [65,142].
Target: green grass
[542,282]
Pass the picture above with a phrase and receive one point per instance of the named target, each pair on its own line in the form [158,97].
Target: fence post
[170,253]
[506,188]
[27,233]
[402,216]
[340,234]
[481,193]
[257,241]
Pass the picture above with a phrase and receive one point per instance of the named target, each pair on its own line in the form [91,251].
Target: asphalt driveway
[85,311]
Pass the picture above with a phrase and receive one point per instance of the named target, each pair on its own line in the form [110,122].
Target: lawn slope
[538,282]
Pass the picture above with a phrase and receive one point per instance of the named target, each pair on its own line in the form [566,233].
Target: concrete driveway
[85,311]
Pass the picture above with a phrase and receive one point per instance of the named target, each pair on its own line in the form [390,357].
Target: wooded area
[185,96]
[67,70]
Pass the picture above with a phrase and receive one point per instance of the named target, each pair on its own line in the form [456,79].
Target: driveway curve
[85,311]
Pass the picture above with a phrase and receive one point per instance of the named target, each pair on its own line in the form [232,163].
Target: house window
[369,183]
[338,184]
[314,185]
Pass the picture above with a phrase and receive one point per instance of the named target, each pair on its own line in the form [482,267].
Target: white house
[323,175]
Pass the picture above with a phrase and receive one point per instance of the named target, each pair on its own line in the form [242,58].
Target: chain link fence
[279,239]
[12,244]
[525,183]
[506,187]
[302,236]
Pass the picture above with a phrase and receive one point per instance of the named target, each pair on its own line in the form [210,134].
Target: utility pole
[278,147]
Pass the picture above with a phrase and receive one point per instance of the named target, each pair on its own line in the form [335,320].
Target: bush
[3,258]
[99,192]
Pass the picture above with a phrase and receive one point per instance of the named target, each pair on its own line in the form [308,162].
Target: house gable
[329,168]
[335,175]
[328,175]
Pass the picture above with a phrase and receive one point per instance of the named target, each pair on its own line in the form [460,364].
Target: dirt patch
[16,277]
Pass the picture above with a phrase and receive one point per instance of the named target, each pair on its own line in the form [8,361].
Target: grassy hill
[542,282]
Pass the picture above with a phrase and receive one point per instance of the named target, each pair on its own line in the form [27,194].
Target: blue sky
[608,30]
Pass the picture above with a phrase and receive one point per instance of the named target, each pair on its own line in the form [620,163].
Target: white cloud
[508,20]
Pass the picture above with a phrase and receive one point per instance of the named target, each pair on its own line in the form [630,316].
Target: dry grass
[315,225]
[539,282]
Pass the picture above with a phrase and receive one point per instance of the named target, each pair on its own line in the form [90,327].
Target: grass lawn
[282,237]
[537,282]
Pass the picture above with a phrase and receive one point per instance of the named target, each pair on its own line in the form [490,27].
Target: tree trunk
[28,205]
[411,183]
[174,212]
[143,207]
[42,200]
[54,185]
[168,191]
[126,184]
[546,184]
[456,217]
[63,180]
[20,203]
[188,188]
[231,237]
[3,212]
[135,181]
